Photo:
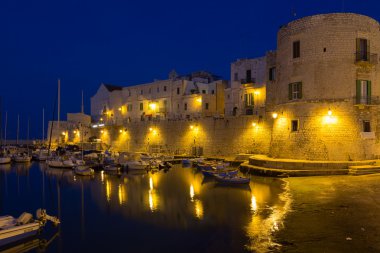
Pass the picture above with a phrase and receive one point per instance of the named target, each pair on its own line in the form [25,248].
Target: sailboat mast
[82,104]
[18,127]
[43,125]
[59,102]
[1,121]
[5,130]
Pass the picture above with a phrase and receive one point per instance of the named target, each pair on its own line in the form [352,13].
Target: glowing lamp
[120,131]
[102,131]
[274,115]
[191,127]
[119,109]
[152,106]
[329,112]
[256,92]
[74,131]
[101,119]
[254,124]
[150,129]
[63,133]
[199,100]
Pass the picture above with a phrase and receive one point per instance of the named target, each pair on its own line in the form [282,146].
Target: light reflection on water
[195,212]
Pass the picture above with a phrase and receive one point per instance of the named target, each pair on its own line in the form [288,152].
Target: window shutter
[368,51]
[358,91]
[299,90]
[290,92]
[369,92]
[245,99]
[357,49]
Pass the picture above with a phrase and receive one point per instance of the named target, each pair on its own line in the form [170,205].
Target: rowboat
[232,179]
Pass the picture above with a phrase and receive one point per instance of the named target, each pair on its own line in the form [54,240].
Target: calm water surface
[176,211]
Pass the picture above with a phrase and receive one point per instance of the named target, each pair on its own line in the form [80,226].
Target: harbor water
[167,211]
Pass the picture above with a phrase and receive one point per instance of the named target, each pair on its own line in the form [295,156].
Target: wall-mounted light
[199,100]
[63,133]
[191,127]
[119,108]
[150,129]
[153,106]
[120,131]
[254,124]
[274,115]
[329,112]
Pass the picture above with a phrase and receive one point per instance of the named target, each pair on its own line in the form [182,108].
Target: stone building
[246,96]
[325,96]
[179,97]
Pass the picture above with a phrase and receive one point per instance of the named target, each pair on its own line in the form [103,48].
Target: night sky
[125,43]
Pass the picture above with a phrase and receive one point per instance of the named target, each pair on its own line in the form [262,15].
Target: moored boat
[22,158]
[84,170]
[12,229]
[136,165]
[232,179]
[5,160]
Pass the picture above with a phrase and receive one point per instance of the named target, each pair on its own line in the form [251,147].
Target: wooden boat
[12,229]
[84,170]
[223,173]
[232,179]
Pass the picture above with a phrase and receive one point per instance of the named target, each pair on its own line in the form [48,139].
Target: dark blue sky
[125,42]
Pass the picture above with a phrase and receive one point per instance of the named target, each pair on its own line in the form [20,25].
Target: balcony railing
[247,81]
[365,100]
[366,57]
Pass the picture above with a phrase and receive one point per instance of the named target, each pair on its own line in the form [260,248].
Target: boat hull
[5,160]
[17,233]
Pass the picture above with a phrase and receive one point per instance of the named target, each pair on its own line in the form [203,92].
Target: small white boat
[22,158]
[12,229]
[84,170]
[66,164]
[42,155]
[136,165]
[231,179]
[5,160]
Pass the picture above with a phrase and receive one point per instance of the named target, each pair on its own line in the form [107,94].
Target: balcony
[248,82]
[365,58]
[366,101]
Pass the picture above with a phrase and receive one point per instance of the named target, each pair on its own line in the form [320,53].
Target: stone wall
[226,136]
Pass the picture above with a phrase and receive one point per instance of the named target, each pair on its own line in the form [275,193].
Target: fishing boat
[220,172]
[233,180]
[84,170]
[12,229]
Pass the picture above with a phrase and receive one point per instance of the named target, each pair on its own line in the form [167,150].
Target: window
[150,90]
[363,92]
[295,125]
[178,90]
[141,106]
[228,96]
[178,106]
[158,89]
[203,91]
[164,88]
[295,91]
[248,76]
[362,49]
[366,126]
[296,49]
[272,73]
[206,106]
[141,92]
[236,77]
[213,92]
[185,107]
[248,99]
[165,104]
[129,93]
[129,107]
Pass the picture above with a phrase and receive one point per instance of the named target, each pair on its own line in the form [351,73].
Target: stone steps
[363,170]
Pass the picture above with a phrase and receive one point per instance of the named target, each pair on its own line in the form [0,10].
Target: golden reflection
[108,190]
[153,200]
[122,194]
[192,193]
[198,209]
[262,226]
[253,203]
[102,176]
[151,183]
